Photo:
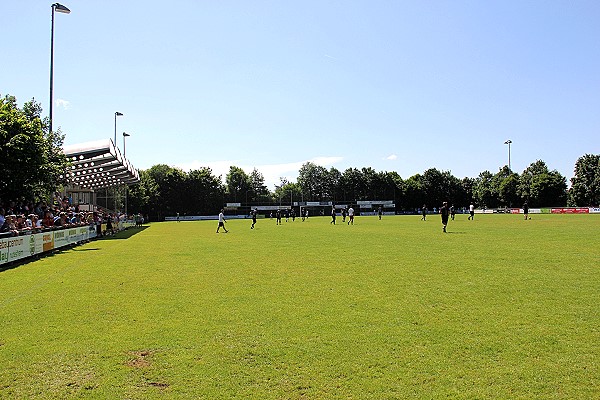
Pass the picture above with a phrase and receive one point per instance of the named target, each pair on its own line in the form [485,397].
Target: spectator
[48,220]
[37,210]
[61,220]
[36,223]
[22,225]
[109,225]
[9,225]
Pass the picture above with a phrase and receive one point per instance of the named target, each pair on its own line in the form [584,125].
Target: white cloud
[271,172]
[65,104]
[391,157]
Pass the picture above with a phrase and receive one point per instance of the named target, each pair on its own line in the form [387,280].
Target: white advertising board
[18,247]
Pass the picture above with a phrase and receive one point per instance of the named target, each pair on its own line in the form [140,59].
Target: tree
[386,186]
[466,196]
[439,186]
[484,192]
[313,181]
[585,184]
[140,195]
[204,191]
[508,191]
[333,185]
[167,199]
[505,184]
[414,193]
[432,186]
[32,162]
[353,185]
[238,184]
[259,191]
[542,187]
[286,192]
[165,190]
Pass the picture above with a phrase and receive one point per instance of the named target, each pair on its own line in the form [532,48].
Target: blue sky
[394,85]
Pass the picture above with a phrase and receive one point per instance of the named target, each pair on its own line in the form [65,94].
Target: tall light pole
[61,9]
[126,187]
[124,136]
[117,114]
[508,142]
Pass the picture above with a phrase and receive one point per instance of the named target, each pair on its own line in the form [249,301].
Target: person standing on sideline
[471,212]
[380,212]
[350,215]
[177,217]
[221,222]
[424,212]
[444,212]
[253,212]
[526,210]
[452,212]
[344,214]
[278,217]
[332,215]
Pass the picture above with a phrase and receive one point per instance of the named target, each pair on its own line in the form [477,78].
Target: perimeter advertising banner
[16,248]
[47,240]
[3,251]
[570,210]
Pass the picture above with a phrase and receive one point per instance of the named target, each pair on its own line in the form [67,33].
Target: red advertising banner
[570,211]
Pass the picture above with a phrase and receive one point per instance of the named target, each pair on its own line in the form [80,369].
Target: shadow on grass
[456,233]
[126,234]
[27,260]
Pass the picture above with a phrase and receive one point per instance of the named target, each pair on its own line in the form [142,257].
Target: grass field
[498,307]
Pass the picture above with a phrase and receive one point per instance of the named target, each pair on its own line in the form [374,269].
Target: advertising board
[570,211]
[18,247]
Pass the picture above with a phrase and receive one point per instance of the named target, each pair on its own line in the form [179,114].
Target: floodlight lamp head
[126,134]
[118,114]
[508,141]
[60,8]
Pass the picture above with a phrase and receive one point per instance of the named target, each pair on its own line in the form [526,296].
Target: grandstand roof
[98,165]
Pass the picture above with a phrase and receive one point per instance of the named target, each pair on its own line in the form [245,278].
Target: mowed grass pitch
[497,308]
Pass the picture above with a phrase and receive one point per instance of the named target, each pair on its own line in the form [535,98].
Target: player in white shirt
[351,216]
[221,222]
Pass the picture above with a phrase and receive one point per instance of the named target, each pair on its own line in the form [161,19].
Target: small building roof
[99,165]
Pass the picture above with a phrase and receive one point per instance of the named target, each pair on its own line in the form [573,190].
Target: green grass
[497,308]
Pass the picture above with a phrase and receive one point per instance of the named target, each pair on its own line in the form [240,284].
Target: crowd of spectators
[21,218]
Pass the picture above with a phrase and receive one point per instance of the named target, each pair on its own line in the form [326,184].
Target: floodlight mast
[117,114]
[508,142]
[64,10]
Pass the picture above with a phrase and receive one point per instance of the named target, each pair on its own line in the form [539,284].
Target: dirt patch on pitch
[161,385]
[140,358]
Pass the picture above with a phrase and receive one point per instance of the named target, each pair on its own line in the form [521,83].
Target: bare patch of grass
[140,358]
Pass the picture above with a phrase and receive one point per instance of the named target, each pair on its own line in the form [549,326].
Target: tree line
[166,190]
[33,168]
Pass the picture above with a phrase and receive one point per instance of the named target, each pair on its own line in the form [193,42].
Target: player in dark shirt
[444,211]
[526,210]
